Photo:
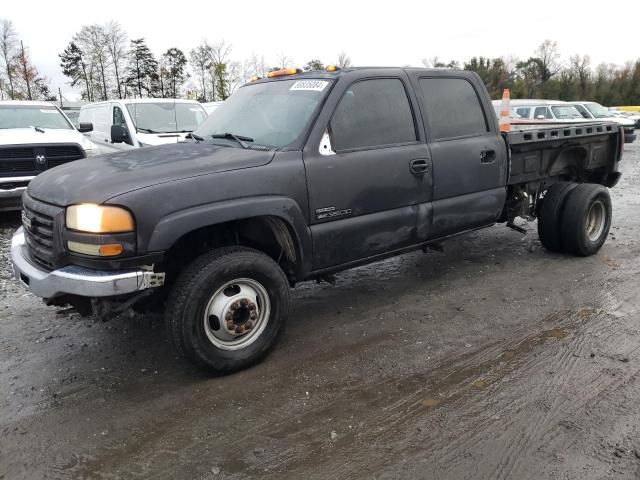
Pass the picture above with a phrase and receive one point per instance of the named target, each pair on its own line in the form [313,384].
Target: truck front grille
[16,166]
[32,160]
[39,234]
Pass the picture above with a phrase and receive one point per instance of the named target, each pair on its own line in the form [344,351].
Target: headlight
[91,152]
[99,219]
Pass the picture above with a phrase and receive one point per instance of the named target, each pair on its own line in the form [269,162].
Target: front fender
[170,228]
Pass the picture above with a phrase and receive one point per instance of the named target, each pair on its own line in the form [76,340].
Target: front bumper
[74,280]
[11,190]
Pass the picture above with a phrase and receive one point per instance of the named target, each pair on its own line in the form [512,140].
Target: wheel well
[269,234]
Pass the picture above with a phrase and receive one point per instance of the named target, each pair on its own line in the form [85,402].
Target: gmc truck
[296,177]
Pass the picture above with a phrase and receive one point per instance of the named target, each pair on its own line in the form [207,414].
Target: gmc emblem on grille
[41,159]
[26,221]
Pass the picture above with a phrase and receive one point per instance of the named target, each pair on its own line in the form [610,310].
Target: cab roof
[26,103]
[129,101]
[323,74]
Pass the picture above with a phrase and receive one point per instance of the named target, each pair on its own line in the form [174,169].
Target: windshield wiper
[38,129]
[238,138]
[197,138]
[145,130]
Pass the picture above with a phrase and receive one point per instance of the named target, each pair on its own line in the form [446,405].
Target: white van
[124,124]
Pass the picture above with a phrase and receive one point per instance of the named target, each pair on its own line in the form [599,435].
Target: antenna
[175,114]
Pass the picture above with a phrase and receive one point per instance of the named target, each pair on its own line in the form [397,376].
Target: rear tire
[550,214]
[586,219]
[227,308]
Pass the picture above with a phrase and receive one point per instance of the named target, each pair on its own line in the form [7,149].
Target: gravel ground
[492,360]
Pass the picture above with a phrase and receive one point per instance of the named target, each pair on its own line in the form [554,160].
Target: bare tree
[581,67]
[8,48]
[27,70]
[220,56]
[284,60]
[116,40]
[200,59]
[549,60]
[255,66]
[344,61]
[92,40]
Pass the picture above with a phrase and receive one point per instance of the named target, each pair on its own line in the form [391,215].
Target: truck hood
[29,136]
[95,180]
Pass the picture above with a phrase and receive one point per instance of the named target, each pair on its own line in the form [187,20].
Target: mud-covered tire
[586,219]
[549,215]
[200,282]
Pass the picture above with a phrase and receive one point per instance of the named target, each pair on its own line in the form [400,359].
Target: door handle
[419,166]
[487,156]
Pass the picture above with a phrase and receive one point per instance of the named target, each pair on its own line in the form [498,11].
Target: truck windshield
[566,111]
[597,110]
[273,114]
[166,117]
[28,116]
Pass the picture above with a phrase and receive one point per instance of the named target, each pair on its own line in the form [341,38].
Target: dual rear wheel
[575,218]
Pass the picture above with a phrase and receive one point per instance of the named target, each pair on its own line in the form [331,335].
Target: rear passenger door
[469,168]
[366,195]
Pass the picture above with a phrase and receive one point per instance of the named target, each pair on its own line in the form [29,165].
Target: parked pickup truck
[296,177]
[34,137]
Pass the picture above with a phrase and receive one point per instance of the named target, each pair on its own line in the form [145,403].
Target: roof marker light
[284,72]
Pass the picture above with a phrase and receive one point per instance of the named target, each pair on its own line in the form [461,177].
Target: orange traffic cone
[505,112]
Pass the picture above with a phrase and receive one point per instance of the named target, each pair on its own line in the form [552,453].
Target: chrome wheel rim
[596,221]
[237,314]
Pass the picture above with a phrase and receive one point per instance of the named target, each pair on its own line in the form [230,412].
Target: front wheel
[226,309]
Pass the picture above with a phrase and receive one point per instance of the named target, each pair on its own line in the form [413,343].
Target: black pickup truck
[296,177]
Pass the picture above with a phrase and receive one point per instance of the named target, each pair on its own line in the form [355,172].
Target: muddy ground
[494,360]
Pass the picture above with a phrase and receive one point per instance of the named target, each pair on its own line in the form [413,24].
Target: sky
[393,33]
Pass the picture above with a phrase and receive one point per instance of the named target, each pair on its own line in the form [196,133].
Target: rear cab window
[453,108]
[371,114]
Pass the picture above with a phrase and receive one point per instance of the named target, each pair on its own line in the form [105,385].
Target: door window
[118,117]
[453,107]
[542,112]
[373,113]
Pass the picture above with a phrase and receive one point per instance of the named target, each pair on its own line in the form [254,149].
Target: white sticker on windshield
[49,111]
[314,85]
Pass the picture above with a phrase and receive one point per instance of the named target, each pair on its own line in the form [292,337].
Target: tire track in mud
[390,420]
[394,417]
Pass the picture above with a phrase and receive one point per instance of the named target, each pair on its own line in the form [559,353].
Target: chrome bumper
[12,193]
[76,280]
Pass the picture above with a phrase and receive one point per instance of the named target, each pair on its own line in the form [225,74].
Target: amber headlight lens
[99,219]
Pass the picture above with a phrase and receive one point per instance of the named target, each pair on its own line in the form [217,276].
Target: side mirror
[540,117]
[118,134]
[85,127]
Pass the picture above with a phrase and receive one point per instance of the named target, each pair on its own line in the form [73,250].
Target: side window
[523,112]
[373,113]
[542,112]
[453,108]
[118,117]
[86,115]
[582,110]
